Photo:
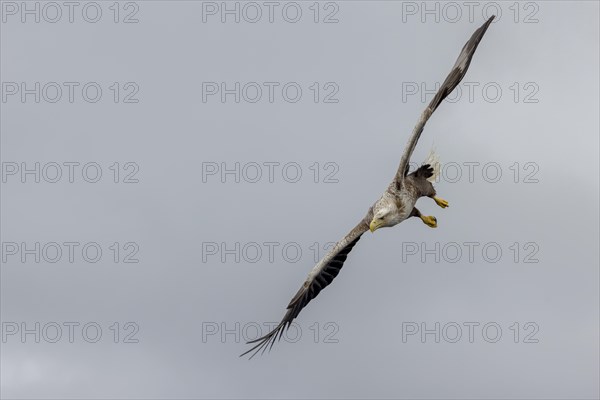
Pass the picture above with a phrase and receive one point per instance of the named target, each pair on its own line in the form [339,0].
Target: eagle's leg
[440,202]
[428,220]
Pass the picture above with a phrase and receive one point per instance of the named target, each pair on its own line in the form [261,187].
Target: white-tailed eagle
[395,205]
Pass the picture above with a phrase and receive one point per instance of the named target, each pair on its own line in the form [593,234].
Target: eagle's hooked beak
[375,224]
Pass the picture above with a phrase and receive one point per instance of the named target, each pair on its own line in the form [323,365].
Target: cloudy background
[194,260]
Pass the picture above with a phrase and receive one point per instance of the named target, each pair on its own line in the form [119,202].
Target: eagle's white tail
[433,160]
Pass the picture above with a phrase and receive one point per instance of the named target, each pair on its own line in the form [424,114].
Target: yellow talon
[430,221]
[441,202]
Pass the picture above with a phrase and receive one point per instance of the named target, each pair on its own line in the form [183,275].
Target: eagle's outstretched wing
[321,275]
[452,80]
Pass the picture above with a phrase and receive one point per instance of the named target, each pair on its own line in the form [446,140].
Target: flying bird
[395,205]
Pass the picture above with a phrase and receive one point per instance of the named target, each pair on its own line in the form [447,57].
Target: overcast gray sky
[170,176]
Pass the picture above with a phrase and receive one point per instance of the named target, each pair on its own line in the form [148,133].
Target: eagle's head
[385,214]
